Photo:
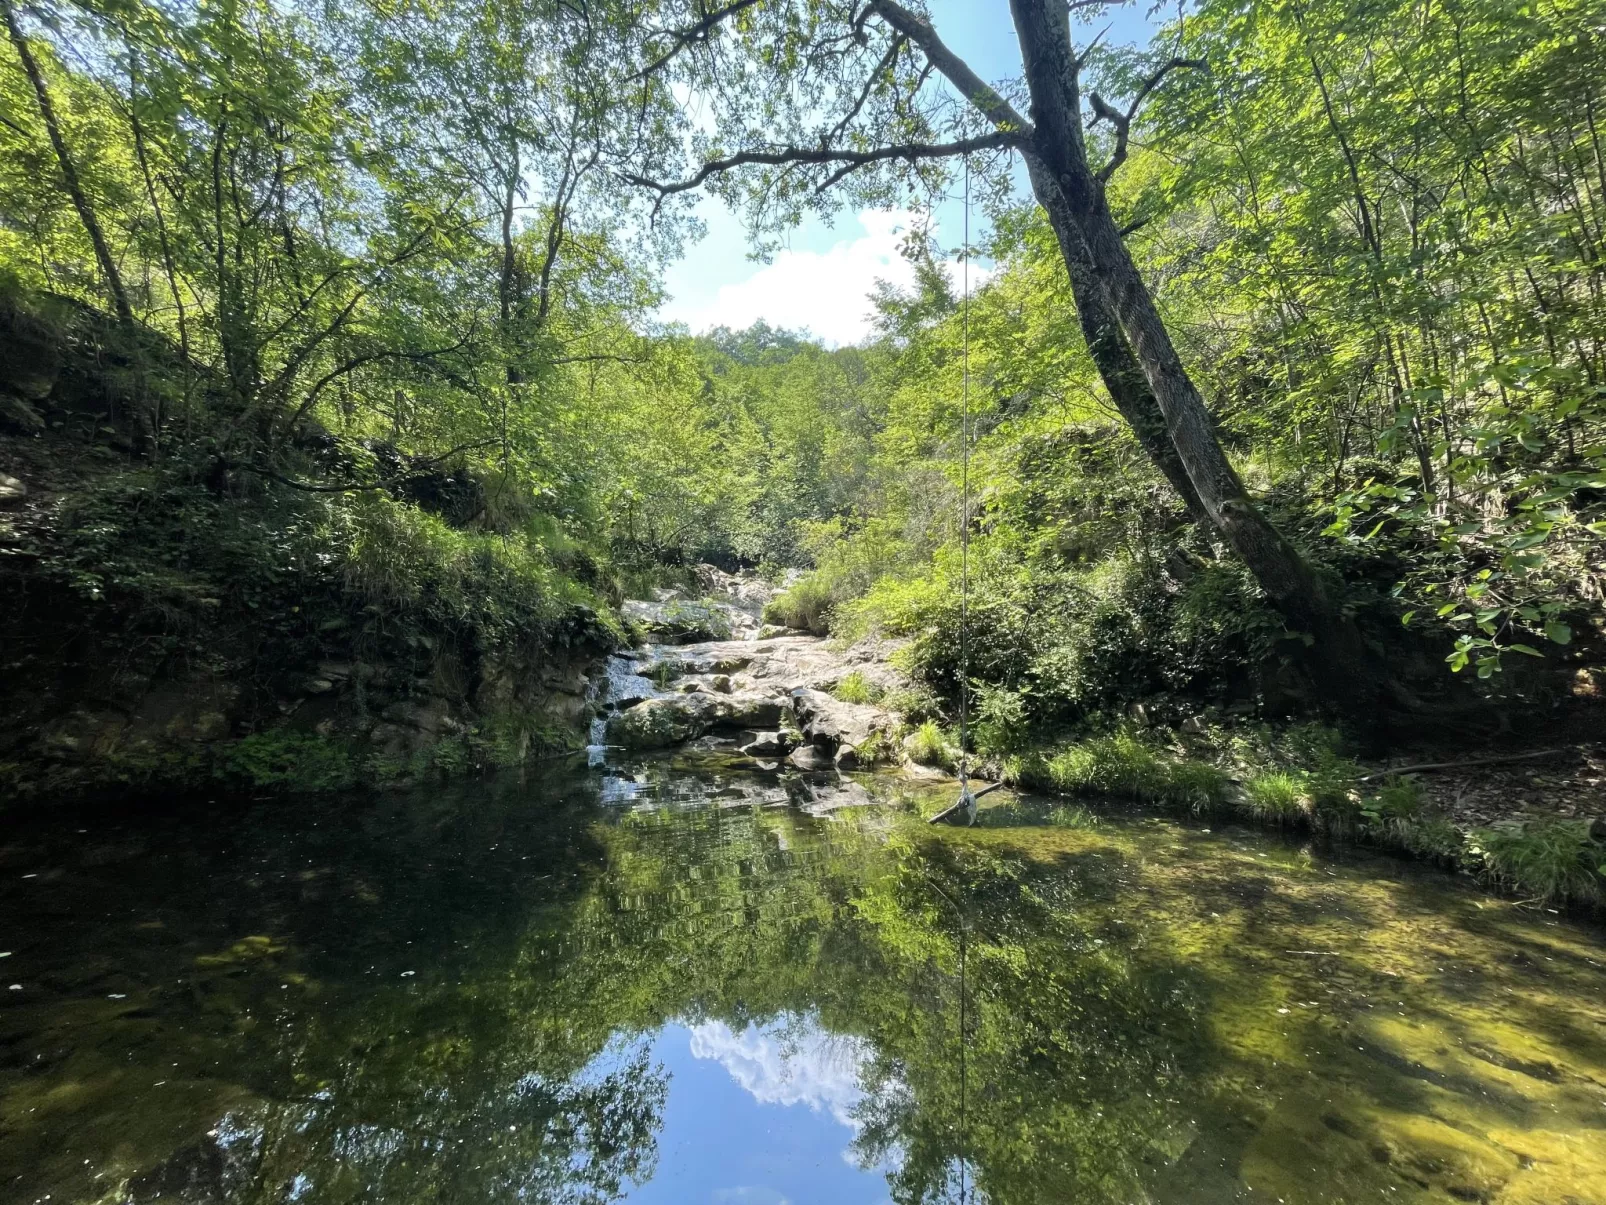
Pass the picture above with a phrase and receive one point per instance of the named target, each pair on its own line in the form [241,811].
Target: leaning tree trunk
[1111,353]
[1076,205]
[69,171]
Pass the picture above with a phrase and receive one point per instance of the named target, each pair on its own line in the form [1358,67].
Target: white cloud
[824,292]
[811,1068]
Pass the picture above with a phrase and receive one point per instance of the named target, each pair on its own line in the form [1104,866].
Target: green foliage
[1276,797]
[856,688]
[804,606]
[929,746]
[1551,860]
[1124,765]
[293,761]
[1002,719]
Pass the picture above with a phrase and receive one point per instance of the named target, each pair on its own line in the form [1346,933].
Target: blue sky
[761,1116]
[820,277]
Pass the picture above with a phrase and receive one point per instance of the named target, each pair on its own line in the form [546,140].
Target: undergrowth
[1296,779]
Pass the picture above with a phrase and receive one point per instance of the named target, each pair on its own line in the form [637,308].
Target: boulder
[675,621]
[847,757]
[748,709]
[769,744]
[829,723]
[12,491]
[433,716]
[807,757]
[659,723]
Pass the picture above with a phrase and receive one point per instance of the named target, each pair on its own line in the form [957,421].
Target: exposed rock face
[673,720]
[672,692]
[830,724]
[732,684]
[677,621]
[750,709]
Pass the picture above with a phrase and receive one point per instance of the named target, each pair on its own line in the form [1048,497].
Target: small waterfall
[619,685]
[596,751]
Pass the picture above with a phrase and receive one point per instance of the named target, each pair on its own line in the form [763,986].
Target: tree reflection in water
[456,997]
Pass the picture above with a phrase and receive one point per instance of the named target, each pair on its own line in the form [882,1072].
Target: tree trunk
[1343,664]
[507,285]
[1112,354]
[69,172]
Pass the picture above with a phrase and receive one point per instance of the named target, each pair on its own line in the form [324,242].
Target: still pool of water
[684,984]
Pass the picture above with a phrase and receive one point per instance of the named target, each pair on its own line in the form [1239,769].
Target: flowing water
[677,983]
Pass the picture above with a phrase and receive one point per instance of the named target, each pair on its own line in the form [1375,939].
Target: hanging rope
[964,810]
[964,513]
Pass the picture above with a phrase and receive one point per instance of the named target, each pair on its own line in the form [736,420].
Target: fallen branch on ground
[1424,767]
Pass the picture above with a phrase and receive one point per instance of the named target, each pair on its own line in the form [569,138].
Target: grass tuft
[805,607]
[1551,860]
[1277,797]
[928,746]
[856,688]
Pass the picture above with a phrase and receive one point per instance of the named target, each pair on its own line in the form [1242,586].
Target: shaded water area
[677,983]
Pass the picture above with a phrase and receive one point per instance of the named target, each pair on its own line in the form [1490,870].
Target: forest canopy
[397,264]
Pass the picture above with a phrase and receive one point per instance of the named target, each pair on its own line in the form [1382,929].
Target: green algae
[348,999]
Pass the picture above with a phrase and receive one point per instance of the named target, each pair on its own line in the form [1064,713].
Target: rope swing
[963,812]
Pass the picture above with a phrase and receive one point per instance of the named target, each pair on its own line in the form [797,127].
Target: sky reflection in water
[794,1147]
[677,984]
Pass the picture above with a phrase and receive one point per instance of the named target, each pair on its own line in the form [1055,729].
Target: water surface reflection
[681,983]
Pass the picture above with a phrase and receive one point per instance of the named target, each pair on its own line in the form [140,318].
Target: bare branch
[971,86]
[787,156]
[1104,111]
[413,470]
[356,362]
[887,61]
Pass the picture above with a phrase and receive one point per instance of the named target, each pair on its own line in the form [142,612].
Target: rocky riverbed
[714,670]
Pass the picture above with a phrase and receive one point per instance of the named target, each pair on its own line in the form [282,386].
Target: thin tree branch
[413,470]
[793,155]
[356,362]
[1104,111]
[693,33]
[1426,767]
[69,171]
[971,86]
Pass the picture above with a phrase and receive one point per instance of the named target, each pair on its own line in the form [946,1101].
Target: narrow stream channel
[673,982]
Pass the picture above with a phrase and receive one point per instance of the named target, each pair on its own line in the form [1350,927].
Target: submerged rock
[808,757]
